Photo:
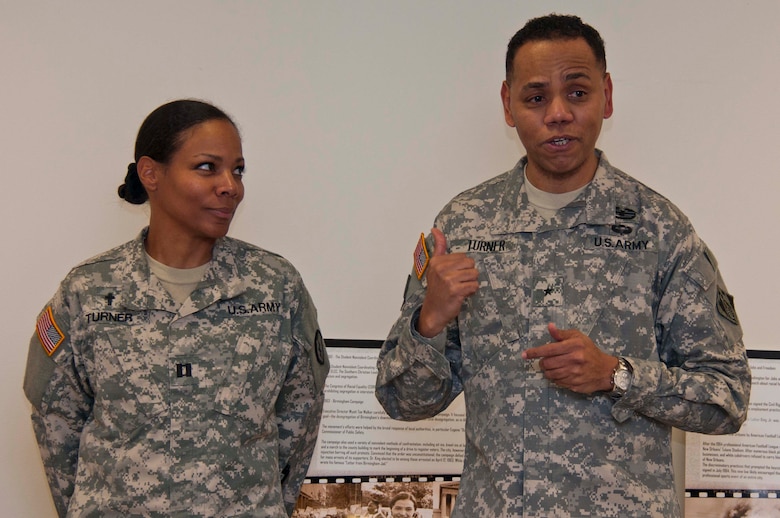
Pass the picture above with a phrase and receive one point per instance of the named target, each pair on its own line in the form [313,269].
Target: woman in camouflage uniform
[182,373]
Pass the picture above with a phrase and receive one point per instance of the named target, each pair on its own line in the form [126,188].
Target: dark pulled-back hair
[161,135]
[555,27]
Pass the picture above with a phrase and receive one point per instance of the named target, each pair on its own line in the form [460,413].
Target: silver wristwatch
[622,376]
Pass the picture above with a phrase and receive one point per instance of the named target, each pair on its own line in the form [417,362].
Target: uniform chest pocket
[491,318]
[608,286]
[254,379]
[124,378]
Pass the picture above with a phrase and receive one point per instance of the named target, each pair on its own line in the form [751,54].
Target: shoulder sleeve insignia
[421,257]
[322,367]
[726,307]
[319,348]
[48,332]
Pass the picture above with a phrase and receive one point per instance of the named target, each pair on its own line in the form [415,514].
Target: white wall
[360,120]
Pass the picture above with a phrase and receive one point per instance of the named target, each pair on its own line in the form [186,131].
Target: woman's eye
[205,166]
[239,171]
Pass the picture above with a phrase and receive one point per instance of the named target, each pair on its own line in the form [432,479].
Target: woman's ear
[148,172]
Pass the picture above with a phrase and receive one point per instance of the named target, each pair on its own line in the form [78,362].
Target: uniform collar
[222,281]
[595,205]
[142,291]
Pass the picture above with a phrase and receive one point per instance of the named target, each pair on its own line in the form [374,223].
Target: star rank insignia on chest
[548,291]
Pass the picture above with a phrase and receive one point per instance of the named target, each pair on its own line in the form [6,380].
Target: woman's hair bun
[132,191]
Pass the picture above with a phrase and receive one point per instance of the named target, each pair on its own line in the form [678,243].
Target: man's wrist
[423,326]
[622,378]
[612,365]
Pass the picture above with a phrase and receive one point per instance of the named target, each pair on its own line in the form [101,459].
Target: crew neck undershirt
[548,203]
[180,282]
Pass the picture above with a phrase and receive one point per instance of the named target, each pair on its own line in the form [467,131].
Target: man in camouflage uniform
[575,308]
[143,406]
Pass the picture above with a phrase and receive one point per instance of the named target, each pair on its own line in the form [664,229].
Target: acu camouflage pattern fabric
[624,266]
[206,409]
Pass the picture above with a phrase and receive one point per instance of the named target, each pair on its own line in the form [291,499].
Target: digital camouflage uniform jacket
[624,266]
[148,408]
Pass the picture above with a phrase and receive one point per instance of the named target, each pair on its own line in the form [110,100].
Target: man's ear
[506,101]
[608,108]
[148,172]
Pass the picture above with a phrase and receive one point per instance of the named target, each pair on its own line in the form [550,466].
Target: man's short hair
[403,495]
[555,27]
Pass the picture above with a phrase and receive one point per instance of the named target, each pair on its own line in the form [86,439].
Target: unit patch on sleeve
[319,348]
[421,257]
[726,307]
[48,332]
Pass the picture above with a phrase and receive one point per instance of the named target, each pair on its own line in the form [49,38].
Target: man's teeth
[560,141]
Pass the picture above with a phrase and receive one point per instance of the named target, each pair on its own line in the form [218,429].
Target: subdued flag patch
[421,257]
[48,332]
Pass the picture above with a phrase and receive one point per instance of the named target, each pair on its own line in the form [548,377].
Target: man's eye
[579,94]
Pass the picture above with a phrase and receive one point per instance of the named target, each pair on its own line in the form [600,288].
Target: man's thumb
[555,333]
[439,242]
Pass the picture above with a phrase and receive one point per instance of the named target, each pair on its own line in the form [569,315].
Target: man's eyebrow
[573,76]
[535,85]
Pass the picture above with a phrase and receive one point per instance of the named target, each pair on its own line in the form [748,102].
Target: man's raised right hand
[451,279]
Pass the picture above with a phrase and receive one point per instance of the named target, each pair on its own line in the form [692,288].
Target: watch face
[622,379]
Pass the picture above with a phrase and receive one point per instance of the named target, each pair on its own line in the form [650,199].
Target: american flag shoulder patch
[49,332]
[421,257]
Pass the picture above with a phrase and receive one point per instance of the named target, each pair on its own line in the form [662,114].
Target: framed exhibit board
[739,475]
[363,456]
